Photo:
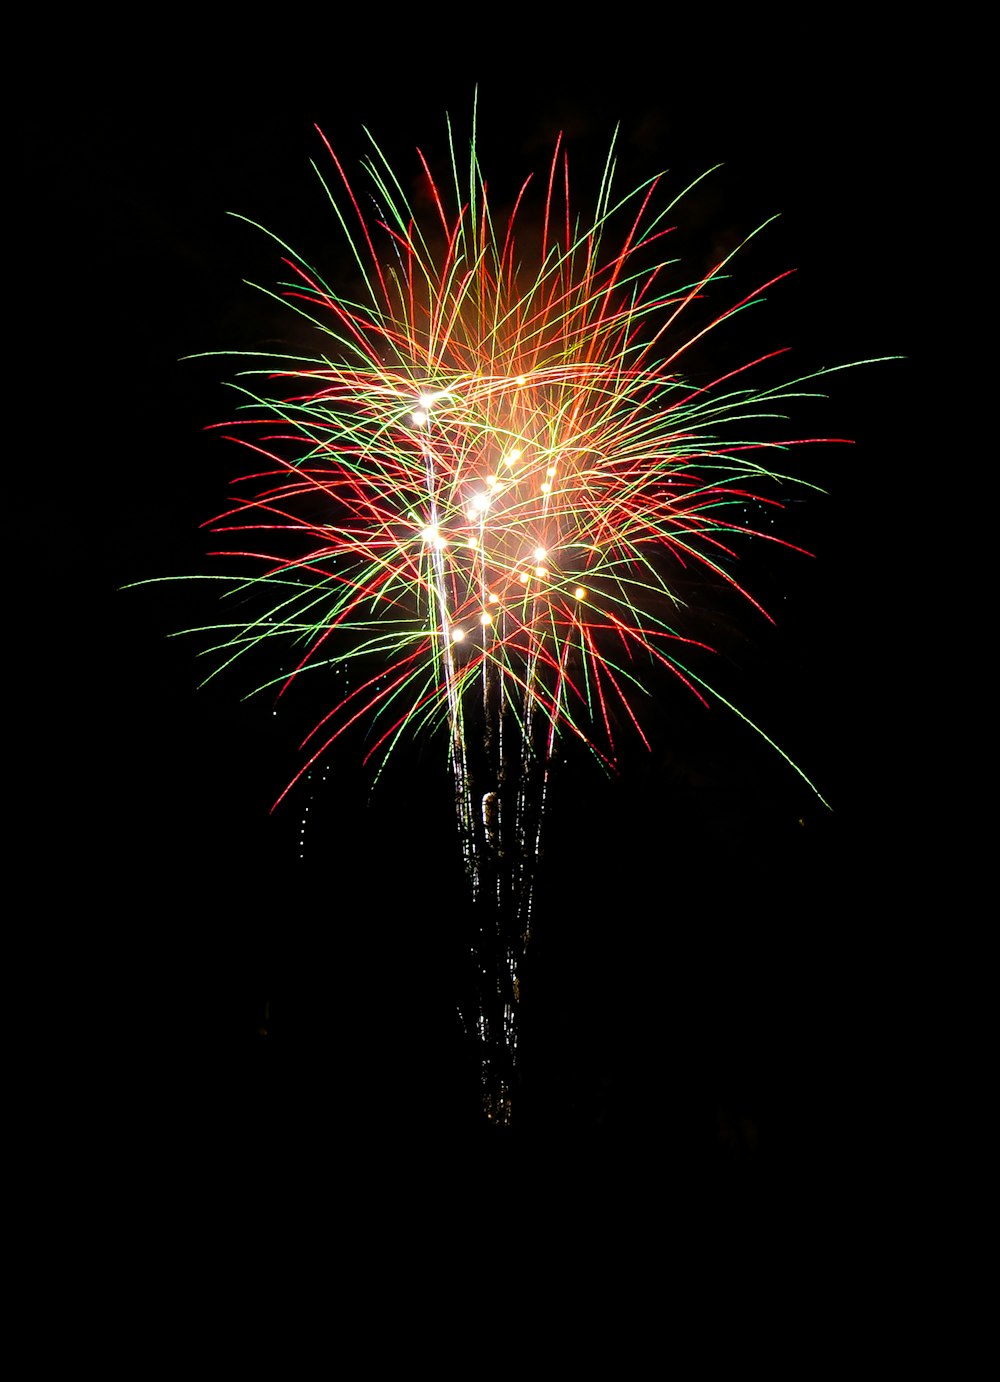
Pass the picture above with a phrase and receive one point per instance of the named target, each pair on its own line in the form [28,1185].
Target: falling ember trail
[481,498]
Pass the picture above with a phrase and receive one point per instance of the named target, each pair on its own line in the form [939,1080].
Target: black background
[721,981]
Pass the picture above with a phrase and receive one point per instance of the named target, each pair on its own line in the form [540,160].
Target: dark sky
[716,935]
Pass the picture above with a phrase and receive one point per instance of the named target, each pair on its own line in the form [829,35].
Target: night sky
[717,983]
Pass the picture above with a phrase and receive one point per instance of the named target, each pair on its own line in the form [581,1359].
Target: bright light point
[426,399]
[457,635]
[579,593]
[494,599]
[523,577]
[546,489]
[510,459]
[520,379]
[472,543]
[430,535]
[481,501]
[418,417]
[539,554]
[485,618]
[492,481]
[541,571]
[551,471]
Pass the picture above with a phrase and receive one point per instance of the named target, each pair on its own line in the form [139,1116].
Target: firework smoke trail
[481,494]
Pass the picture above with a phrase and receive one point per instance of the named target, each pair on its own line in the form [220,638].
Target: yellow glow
[418,417]
[472,543]
[523,577]
[481,502]
[579,593]
[521,379]
[485,619]
[457,635]
[551,471]
[546,488]
[539,554]
[541,571]
[492,481]
[494,599]
[512,457]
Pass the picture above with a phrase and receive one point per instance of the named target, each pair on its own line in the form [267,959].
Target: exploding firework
[481,497]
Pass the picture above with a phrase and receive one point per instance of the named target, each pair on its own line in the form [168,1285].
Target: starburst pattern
[487,488]
[481,498]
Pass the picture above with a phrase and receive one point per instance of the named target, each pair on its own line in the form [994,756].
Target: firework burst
[480,496]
